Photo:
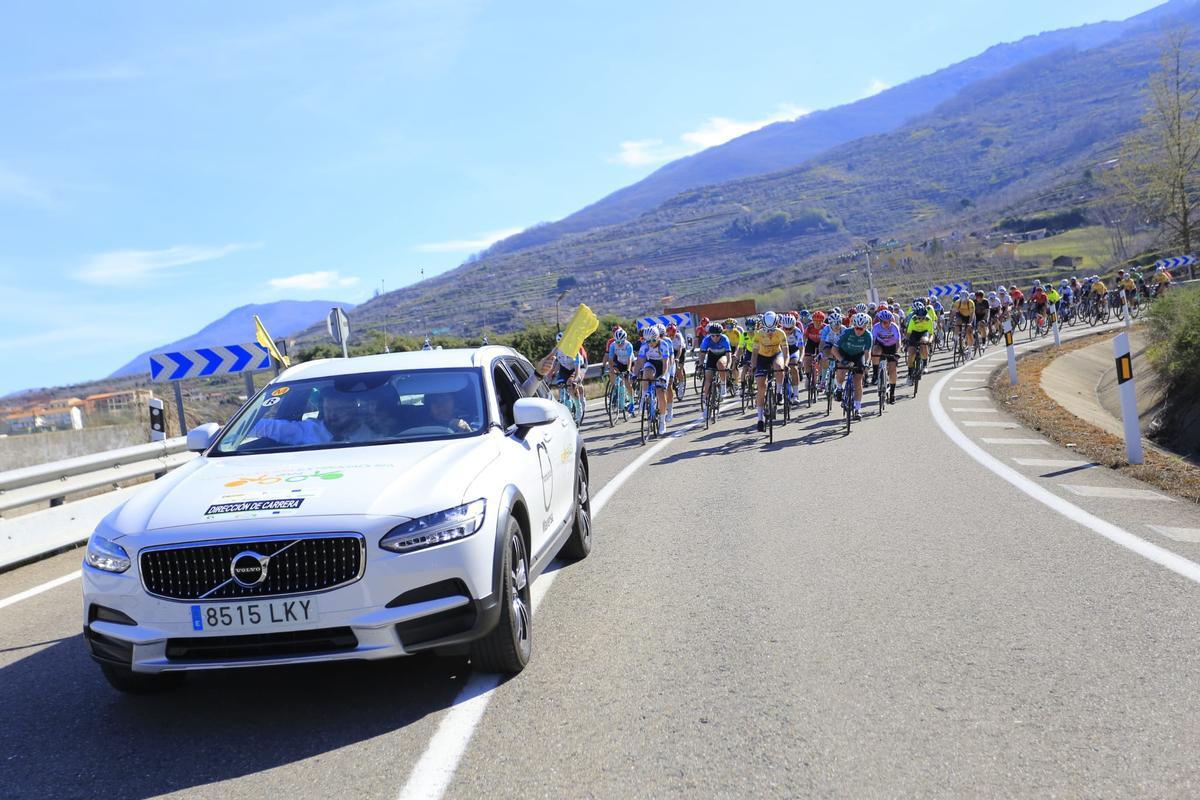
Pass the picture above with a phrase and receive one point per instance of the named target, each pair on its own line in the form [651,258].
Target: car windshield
[361,409]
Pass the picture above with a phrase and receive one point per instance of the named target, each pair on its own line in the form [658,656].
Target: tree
[1159,167]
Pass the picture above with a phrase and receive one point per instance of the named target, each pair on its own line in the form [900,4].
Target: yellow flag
[264,338]
[581,326]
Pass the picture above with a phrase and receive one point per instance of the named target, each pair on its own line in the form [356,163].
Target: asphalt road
[873,615]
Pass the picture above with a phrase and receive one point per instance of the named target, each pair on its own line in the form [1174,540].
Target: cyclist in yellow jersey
[964,317]
[770,354]
[745,358]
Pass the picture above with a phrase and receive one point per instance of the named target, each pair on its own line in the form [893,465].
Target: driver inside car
[440,407]
[345,417]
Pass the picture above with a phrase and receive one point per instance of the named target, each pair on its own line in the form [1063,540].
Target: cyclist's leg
[876,352]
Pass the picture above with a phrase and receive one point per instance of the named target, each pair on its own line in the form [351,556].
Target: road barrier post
[1012,353]
[158,424]
[1057,333]
[1127,388]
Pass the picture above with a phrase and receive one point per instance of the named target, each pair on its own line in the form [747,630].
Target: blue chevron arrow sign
[683,320]
[1175,262]
[207,361]
[949,289]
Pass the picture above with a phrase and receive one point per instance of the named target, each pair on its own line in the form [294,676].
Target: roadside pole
[1012,352]
[158,426]
[1057,333]
[1128,390]
[250,383]
[179,406]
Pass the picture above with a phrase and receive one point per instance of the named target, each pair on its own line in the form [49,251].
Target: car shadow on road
[67,734]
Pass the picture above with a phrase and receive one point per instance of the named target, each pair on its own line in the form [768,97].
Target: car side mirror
[200,437]
[530,412]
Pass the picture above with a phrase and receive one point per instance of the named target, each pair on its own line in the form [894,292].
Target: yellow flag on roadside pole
[264,338]
[581,326]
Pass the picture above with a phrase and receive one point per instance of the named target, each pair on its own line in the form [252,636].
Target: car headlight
[105,555]
[444,526]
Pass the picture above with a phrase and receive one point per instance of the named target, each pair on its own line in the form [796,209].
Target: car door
[527,459]
[559,441]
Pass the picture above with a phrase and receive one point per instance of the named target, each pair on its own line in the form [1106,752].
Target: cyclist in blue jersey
[619,359]
[715,351]
[653,366]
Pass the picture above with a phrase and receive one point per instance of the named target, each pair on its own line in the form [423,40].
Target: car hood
[399,480]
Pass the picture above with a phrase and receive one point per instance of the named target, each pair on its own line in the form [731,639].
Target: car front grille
[296,565]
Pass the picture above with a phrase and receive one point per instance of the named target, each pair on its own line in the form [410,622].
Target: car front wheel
[508,647]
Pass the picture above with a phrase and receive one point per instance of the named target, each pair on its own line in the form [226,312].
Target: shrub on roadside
[1175,353]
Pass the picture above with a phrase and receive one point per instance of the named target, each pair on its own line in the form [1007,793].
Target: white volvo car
[354,509]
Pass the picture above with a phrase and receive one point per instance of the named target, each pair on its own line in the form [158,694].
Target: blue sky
[163,163]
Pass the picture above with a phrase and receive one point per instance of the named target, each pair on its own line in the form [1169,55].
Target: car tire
[579,544]
[124,679]
[507,648]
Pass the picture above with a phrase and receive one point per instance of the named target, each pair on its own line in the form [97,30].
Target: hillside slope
[1028,129]
[282,318]
[787,144]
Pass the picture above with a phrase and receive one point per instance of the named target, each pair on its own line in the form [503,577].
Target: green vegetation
[1055,220]
[1092,243]
[1175,353]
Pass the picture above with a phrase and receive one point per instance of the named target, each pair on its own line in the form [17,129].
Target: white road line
[432,774]
[1114,492]
[1159,555]
[969,410]
[967,398]
[964,387]
[1057,463]
[45,587]
[1178,534]
[985,440]
[975,423]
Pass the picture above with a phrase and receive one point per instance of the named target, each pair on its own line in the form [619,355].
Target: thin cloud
[468,245]
[712,132]
[875,87]
[21,189]
[314,281]
[128,266]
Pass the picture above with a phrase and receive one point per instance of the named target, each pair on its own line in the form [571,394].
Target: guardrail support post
[1128,390]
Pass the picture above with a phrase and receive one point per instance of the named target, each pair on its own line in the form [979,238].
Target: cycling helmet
[1158,269]
[872,307]
[704,321]
[730,323]
[1064,282]
[652,334]
[770,320]
[993,296]
[885,316]
[1095,278]
[749,322]
[837,311]
[620,335]
[861,308]
[806,315]
[788,322]
[918,305]
[1037,283]
[921,312]
[818,318]
[715,328]
[861,320]
[1001,289]
[672,330]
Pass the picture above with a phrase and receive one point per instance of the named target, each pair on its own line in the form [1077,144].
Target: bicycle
[848,391]
[577,406]
[810,378]
[830,380]
[615,398]
[960,350]
[649,413]
[918,370]
[769,405]
[712,401]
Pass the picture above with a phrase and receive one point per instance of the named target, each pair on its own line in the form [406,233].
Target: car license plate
[266,614]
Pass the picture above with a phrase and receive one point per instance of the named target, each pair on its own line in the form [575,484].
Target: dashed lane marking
[975,423]
[1055,463]
[1178,534]
[1114,492]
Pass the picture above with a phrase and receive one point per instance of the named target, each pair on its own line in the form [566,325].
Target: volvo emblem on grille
[249,569]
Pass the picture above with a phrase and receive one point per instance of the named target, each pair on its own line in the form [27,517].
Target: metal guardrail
[53,482]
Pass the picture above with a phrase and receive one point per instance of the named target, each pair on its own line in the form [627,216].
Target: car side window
[506,394]
[531,385]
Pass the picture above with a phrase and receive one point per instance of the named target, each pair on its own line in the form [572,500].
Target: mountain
[1043,126]
[786,144]
[283,318]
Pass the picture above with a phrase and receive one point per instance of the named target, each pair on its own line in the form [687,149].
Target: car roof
[463,357]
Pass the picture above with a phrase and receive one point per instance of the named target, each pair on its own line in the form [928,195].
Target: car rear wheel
[509,645]
[124,679]
[580,542]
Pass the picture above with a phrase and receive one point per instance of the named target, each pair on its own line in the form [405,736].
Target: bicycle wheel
[610,402]
[829,393]
[769,410]
[882,386]
[645,426]
[918,371]
[848,399]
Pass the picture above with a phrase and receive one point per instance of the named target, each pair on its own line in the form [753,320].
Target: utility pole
[871,298]
[557,300]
